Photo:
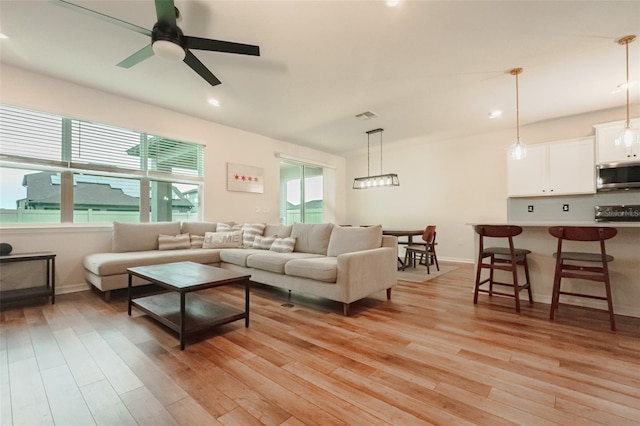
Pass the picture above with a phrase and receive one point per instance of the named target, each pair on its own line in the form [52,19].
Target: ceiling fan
[168,40]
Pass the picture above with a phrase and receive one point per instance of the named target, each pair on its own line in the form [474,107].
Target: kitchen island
[624,270]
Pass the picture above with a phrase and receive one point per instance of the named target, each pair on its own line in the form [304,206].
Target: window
[85,172]
[302,193]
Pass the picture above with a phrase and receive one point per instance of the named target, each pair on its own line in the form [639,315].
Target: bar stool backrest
[583,233]
[498,231]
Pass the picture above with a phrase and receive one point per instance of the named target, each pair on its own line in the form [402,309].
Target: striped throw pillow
[283,245]
[263,243]
[250,231]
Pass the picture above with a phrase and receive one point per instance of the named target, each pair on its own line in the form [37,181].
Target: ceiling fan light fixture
[518,150]
[168,50]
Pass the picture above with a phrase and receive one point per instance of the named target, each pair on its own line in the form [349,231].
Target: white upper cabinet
[608,151]
[558,168]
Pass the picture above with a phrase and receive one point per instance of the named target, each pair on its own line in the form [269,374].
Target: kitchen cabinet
[556,168]
[608,151]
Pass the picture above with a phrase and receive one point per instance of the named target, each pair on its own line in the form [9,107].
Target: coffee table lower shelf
[200,313]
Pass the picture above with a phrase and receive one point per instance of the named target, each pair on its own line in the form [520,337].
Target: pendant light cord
[627,59]
[368,154]
[517,111]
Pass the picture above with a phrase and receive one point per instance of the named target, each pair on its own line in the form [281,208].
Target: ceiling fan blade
[166,12]
[104,17]
[142,54]
[199,67]
[220,46]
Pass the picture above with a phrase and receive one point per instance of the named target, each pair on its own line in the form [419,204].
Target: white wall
[223,144]
[450,183]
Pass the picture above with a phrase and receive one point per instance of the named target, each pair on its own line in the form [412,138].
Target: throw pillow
[197,241]
[263,243]
[173,242]
[250,231]
[225,227]
[283,245]
[232,239]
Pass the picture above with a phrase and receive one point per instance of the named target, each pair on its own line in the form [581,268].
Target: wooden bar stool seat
[582,265]
[504,259]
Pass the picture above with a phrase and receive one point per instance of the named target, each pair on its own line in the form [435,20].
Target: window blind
[35,138]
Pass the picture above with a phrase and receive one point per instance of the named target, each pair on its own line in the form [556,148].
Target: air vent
[366,115]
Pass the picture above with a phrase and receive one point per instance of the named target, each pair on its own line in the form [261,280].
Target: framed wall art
[245,178]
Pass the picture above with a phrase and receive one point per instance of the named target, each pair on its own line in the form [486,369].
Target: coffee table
[180,308]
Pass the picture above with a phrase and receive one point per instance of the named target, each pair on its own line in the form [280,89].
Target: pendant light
[377,181]
[630,135]
[518,150]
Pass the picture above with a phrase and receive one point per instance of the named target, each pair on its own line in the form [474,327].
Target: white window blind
[35,138]
[29,136]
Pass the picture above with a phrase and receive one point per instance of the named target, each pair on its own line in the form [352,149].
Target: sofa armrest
[363,273]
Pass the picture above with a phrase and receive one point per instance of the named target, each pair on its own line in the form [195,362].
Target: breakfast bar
[624,269]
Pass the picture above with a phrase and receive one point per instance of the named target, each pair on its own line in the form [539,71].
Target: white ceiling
[429,69]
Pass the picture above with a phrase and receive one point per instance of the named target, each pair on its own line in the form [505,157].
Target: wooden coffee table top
[187,276]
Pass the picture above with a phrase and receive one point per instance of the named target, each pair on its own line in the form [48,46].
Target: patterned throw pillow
[173,242]
[250,231]
[231,239]
[197,241]
[225,227]
[283,245]
[263,243]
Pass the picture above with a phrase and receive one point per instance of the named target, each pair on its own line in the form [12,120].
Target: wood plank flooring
[427,356]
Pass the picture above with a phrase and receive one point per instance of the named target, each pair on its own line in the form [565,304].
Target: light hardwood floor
[427,356]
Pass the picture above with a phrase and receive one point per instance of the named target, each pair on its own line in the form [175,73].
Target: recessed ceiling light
[3,36]
[623,86]
[495,114]
[393,3]
[214,102]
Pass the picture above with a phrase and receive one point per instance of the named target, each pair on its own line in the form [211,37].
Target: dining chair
[501,258]
[426,250]
[582,265]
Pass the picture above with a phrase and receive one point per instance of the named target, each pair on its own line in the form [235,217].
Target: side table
[48,289]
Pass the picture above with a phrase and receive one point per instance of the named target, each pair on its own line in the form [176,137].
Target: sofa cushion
[274,262]
[350,239]
[140,236]
[321,269]
[174,242]
[283,245]
[105,264]
[222,239]
[312,237]
[250,231]
[198,228]
[277,230]
[237,256]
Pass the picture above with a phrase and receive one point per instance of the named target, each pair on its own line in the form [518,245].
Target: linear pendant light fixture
[630,135]
[389,179]
[518,150]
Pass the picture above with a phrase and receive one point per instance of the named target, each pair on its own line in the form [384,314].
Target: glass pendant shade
[518,151]
[629,137]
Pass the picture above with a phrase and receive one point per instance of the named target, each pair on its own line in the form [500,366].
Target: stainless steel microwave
[618,176]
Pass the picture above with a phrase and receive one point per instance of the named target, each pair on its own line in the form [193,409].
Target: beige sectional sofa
[344,264]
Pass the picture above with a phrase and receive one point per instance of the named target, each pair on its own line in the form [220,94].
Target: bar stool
[501,258]
[572,264]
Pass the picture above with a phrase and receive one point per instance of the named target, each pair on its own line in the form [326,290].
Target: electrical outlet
[565,207]
[530,209]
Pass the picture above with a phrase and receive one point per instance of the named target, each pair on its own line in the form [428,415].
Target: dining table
[408,234]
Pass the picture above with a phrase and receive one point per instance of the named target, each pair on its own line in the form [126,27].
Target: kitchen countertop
[562,223]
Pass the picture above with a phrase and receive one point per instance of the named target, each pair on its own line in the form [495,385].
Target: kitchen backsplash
[566,208]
